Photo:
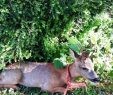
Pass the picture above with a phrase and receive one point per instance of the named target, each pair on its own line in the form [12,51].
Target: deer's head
[85,67]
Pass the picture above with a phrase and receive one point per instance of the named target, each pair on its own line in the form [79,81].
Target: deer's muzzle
[95,80]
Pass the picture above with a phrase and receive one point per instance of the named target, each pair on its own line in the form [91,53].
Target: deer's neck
[74,70]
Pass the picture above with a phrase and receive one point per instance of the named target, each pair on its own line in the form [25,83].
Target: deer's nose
[95,80]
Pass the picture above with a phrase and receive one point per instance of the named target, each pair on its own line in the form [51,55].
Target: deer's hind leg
[10,77]
[8,86]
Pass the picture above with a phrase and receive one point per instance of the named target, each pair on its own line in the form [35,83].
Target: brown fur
[46,76]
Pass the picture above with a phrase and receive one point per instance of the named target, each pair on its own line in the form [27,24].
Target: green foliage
[96,34]
[33,30]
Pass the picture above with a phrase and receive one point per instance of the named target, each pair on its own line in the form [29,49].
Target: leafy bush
[32,30]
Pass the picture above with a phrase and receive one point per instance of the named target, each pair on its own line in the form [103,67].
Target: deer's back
[40,75]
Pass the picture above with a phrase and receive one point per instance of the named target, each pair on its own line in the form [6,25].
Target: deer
[45,76]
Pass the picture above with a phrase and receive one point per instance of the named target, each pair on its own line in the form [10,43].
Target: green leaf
[111,73]
[75,47]
[72,40]
[58,63]
[74,44]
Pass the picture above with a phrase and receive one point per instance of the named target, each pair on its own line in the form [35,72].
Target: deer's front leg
[58,89]
[77,85]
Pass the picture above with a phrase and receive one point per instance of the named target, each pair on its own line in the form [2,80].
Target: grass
[90,90]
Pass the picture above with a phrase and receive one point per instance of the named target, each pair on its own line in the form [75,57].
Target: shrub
[33,30]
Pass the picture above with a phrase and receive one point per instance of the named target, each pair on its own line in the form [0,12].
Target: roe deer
[46,76]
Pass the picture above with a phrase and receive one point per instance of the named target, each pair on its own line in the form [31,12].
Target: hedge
[33,29]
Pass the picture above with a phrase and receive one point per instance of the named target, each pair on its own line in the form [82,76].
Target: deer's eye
[86,69]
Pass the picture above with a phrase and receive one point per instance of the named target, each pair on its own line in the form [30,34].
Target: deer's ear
[75,53]
[85,54]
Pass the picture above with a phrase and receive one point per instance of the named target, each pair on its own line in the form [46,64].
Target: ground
[90,90]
